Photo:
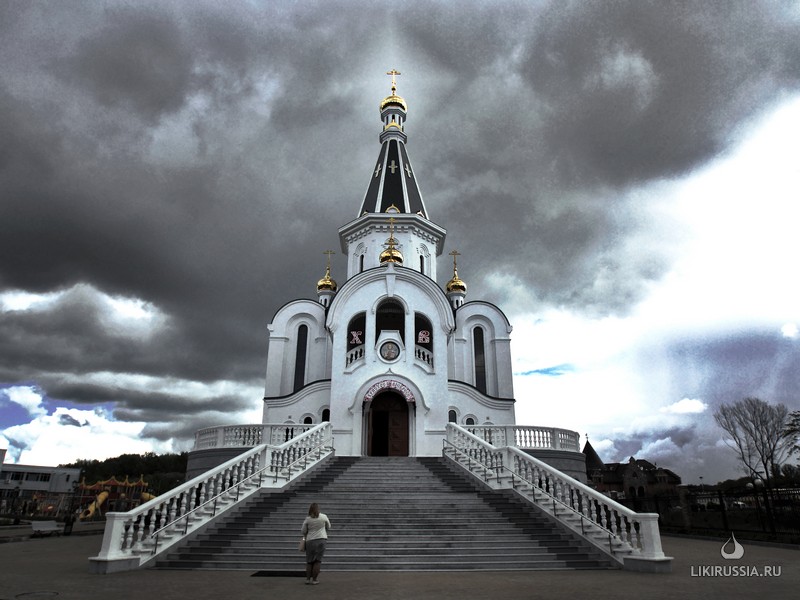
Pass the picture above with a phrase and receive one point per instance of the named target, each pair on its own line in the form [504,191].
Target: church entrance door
[388,426]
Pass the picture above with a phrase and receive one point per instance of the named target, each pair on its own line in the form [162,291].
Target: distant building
[30,489]
[636,478]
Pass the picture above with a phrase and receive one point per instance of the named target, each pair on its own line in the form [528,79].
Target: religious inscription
[378,170]
[355,337]
[389,384]
[393,166]
[424,337]
[408,170]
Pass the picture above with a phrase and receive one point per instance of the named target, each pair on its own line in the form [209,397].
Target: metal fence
[757,514]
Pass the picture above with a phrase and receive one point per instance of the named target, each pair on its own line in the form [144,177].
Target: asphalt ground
[58,567]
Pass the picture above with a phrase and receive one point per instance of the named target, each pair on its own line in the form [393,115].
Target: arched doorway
[388,426]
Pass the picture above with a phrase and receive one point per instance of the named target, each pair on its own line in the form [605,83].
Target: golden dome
[394,99]
[326,284]
[456,284]
[391,254]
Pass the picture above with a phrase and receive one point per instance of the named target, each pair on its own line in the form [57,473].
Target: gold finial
[326,283]
[456,284]
[391,233]
[391,254]
[394,73]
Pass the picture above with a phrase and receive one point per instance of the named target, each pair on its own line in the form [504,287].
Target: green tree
[756,430]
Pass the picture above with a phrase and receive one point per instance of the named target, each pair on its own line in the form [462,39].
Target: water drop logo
[736,553]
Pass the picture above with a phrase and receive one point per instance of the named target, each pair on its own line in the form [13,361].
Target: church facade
[388,355]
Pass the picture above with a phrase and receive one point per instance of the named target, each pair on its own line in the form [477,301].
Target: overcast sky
[620,177]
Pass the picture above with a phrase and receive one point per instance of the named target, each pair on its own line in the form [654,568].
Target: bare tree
[756,431]
[792,431]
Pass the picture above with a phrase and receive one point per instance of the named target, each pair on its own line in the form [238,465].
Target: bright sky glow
[737,221]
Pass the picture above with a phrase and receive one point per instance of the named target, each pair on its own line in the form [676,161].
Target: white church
[389,356]
[387,363]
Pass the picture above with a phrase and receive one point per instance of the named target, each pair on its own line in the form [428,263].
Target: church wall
[429,411]
[283,346]
[497,344]
[415,237]
[469,402]
[309,401]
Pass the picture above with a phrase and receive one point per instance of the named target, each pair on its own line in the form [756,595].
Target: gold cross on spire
[329,252]
[454,253]
[394,73]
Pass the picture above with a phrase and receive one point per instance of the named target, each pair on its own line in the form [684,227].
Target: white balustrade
[247,436]
[136,537]
[353,355]
[424,355]
[528,437]
[613,528]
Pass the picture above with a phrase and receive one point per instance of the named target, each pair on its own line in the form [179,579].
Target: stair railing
[616,530]
[136,537]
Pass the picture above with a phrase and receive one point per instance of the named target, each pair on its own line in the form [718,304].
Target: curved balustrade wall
[528,437]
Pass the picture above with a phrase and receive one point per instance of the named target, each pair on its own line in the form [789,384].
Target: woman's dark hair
[313,510]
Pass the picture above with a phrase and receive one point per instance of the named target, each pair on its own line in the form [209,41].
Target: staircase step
[388,514]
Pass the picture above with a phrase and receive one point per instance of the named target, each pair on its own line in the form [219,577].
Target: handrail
[189,513]
[532,484]
[632,532]
[134,537]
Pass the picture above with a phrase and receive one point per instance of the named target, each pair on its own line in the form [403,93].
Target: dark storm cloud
[724,368]
[639,90]
[201,159]
[138,62]
[614,94]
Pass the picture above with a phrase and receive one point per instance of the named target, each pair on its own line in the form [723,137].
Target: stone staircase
[388,514]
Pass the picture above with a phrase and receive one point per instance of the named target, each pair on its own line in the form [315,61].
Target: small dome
[456,284]
[394,99]
[326,284]
[391,254]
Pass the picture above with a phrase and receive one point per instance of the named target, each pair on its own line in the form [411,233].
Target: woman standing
[315,531]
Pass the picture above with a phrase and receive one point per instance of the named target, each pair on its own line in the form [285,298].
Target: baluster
[598,512]
[136,527]
[125,541]
[171,510]
[614,522]
[637,540]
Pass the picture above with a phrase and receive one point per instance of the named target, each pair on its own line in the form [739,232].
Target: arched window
[308,421]
[452,417]
[479,354]
[422,264]
[469,421]
[390,316]
[300,357]
[361,264]
[423,332]
[355,331]
[326,414]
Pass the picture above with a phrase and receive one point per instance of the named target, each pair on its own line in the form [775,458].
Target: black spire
[393,185]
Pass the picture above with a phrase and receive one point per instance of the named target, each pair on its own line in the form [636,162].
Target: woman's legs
[315,567]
